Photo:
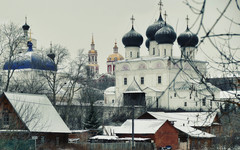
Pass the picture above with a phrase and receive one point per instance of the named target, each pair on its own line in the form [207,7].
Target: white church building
[168,82]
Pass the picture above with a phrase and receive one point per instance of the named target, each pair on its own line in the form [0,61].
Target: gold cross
[30,35]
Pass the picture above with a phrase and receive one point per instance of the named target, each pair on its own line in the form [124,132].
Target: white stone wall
[152,67]
[132,52]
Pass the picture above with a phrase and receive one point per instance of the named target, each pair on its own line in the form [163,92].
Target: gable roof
[141,126]
[134,88]
[153,89]
[37,112]
[193,132]
[197,119]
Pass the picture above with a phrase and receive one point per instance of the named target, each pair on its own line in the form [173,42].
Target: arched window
[153,51]
[130,54]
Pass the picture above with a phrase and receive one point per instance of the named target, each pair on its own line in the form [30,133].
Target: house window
[175,94]
[142,80]
[113,101]
[159,79]
[204,102]
[125,81]
[130,54]
[42,140]
[165,53]
[185,103]
[57,141]
[5,117]
[137,54]
[196,103]
[153,51]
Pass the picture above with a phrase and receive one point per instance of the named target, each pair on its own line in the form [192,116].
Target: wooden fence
[113,146]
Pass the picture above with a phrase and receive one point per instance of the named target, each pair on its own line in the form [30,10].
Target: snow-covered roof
[110,90]
[135,139]
[152,58]
[141,126]
[109,130]
[152,88]
[104,137]
[230,94]
[191,83]
[187,118]
[37,113]
[79,131]
[192,132]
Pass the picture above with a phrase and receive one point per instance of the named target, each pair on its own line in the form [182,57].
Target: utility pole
[133,147]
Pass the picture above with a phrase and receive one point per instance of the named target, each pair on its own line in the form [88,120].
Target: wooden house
[161,132]
[31,116]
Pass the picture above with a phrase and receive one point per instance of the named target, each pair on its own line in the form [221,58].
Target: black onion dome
[187,39]
[152,29]
[147,43]
[166,35]
[132,38]
[51,55]
[25,26]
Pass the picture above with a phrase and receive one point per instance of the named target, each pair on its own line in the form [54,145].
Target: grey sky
[71,22]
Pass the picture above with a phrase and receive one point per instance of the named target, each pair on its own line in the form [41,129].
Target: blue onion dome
[166,35]
[147,43]
[187,39]
[30,60]
[132,38]
[152,29]
[25,26]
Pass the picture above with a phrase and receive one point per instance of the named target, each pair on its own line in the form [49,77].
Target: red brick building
[31,116]
[160,131]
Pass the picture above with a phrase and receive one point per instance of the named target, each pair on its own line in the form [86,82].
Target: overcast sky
[72,22]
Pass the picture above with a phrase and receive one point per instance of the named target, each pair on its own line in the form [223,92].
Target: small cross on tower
[187,19]
[133,19]
[165,17]
[51,47]
[160,6]
[25,19]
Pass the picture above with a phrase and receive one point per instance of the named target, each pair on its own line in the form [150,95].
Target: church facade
[168,82]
